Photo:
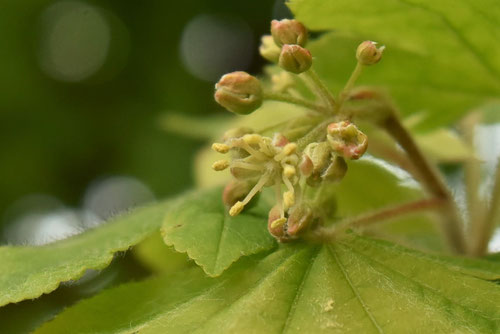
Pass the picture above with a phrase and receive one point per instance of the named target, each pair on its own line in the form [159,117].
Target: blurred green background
[83,86]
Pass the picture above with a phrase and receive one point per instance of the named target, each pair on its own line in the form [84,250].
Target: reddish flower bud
[368,53]
[347,140]
[288,32]
[300,218]
[239,92]
[295,59]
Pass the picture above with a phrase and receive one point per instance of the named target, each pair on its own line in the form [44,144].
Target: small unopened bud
[347,140]
[236,208]
[279,140]
[288,32]
[295,59]
[220,165]
[221,148]
[368,53]
[320,156]
[306,165]
[239,92]
[336,170]
[268,49]
[235,191]
[300,218]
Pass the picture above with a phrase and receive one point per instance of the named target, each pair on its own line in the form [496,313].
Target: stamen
[253,151]
[220,165]
[279,199]
[289,199]
[288,171]
[221,148]
[288,149]
[262,181]
[246,165]
[278,222]
[236,208]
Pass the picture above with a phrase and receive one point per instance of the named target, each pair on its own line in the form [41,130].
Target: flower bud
[336,170]
[306,165]
[268,49]
[288,32]
[368,53]
[300,218]
[295,59]
[347,140]
[239,92]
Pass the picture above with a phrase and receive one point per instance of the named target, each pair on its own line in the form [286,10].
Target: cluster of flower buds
[257,161]
[285,46]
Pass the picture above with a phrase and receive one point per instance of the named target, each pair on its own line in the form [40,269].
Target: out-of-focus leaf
[27,272]
[443,145]
[203,128]
[199,224]
[370,184]
[158,257]
[357,285]
[441,56]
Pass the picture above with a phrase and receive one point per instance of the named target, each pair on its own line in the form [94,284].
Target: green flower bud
[295,59]
[268,49]
[347,140]
[316,159]
[336,170]
[288,32]
[239,92]
[368,53]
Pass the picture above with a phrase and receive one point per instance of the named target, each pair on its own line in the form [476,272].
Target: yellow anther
[221,148]
[289,171]
[252,139]
[236,208]
[288,199]
[278,222]
[220,165]
[289,148]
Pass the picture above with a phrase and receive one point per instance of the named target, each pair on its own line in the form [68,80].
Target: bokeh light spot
[212,45]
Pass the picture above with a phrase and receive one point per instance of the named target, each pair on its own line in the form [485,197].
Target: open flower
[264,162]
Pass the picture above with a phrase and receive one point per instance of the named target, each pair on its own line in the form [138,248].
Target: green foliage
[430,45]
[199,224]
[355,286]
[28,272]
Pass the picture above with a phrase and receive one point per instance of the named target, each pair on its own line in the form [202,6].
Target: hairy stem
[432,182]
[487,225]
[316,134]
[321,89]
[350,83]
[294,100]
[332,232]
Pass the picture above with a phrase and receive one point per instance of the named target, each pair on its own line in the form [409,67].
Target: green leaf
[441,56]
[28,272]
[357,285]
[371,185]
[199,224]
[158,257]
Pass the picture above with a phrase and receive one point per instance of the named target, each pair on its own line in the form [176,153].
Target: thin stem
[472,170]
[321,89]
[367,219]
[294,100]
[350,83]
[488,223]
[431,180]
[315,134]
